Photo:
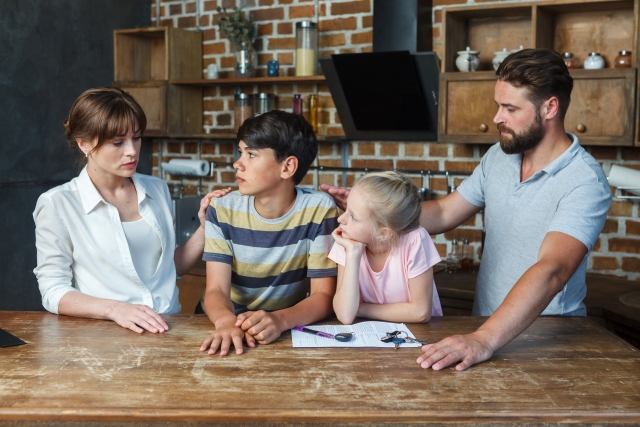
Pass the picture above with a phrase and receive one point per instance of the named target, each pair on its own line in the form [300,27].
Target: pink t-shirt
[415,254]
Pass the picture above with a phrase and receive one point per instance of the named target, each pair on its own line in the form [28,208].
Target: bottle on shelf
[453,259]
[313,112]
[467,255]
[297,104]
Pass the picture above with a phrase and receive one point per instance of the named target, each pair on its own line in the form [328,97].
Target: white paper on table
[365,334]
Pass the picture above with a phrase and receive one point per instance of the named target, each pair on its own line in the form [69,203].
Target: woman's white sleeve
[55,254]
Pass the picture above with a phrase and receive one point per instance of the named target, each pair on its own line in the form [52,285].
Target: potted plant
[242,34]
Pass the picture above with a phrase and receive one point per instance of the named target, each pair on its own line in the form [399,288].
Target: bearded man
[545,201]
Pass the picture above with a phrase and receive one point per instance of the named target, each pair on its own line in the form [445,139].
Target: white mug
[212,71]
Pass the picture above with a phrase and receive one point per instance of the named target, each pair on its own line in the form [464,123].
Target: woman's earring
[379,237]
[86,154]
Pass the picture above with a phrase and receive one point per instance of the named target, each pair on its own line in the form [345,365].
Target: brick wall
[345,26]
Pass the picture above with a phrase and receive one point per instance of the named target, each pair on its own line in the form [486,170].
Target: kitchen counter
[610,301]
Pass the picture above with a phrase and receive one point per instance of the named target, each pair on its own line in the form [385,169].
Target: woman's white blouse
[82,246]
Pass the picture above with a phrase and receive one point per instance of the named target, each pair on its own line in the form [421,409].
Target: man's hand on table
[467,349]
[224,336]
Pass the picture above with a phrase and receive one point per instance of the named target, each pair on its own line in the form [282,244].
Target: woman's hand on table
[224,336]
[467,349]
[137,317]
[206,200]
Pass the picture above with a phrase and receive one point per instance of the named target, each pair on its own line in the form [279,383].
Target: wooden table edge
[239,415]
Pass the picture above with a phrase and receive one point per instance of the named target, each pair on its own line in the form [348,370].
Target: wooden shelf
[226,134]
[246,81]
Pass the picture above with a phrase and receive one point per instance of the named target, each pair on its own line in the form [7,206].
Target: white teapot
[499,57]
[468,60]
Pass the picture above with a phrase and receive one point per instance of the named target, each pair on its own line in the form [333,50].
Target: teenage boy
[267,244]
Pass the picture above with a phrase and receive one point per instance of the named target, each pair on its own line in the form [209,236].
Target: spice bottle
[306,48]
[453,259]
[242,109]
[623,60]
[297,104]
[313,112]
[467,255]
[568,60]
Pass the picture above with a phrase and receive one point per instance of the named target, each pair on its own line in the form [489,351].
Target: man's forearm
[522,306]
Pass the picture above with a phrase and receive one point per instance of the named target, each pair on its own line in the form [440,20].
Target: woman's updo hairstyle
[393,202]
[101,114]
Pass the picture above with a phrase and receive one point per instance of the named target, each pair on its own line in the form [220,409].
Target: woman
[106,240]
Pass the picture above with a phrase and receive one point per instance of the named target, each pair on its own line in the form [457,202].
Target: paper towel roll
[186,167]
[620,176]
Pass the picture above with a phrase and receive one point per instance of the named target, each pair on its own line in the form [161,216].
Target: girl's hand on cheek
[348,244]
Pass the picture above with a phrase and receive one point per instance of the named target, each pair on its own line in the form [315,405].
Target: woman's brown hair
[101,114]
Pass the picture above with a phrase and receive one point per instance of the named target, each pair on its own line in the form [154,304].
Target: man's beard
[526,140]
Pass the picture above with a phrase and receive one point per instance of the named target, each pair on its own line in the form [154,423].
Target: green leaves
[236,29]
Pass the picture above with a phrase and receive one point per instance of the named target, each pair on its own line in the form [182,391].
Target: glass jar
[467,255]
[246,60]
[306,48]
[243,109]
[568,60]
[263,102]
[623,60]
[313,112]
[297,104]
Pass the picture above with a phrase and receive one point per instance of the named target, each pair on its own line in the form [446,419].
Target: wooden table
[561,370]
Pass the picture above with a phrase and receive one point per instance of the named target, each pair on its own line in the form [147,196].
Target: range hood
[385,95]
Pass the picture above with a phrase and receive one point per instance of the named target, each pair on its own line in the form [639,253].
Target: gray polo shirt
[570,195]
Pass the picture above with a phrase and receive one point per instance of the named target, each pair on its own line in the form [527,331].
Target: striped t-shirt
[271,259]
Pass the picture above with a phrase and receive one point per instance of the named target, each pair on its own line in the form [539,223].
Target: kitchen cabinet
[145,60]
[604,102]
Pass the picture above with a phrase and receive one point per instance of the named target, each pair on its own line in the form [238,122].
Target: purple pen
[343,336]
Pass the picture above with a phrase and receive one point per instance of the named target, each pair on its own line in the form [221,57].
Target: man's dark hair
[287,134]
[543,72]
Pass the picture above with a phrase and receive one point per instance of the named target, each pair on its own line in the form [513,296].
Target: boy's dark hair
[286,134]
[543,72]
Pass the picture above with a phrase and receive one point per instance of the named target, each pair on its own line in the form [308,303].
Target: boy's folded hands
[261,325]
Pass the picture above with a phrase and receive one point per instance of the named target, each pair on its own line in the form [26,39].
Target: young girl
[106,240]
[384,257]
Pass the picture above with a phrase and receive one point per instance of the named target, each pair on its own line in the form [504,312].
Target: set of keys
[395,338]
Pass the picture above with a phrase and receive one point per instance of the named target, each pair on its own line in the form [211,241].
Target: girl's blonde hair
[393,201]
[101,114]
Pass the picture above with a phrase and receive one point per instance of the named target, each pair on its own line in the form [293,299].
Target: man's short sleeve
[216,247]
[582,213]
[472,188]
